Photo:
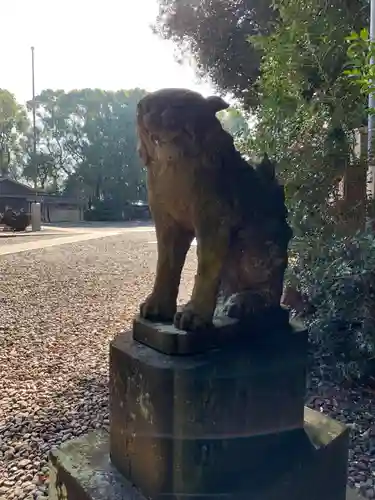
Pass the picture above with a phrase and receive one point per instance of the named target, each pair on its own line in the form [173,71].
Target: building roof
[39,194]
[4,179]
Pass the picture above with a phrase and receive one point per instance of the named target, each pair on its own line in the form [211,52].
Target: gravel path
[59,309]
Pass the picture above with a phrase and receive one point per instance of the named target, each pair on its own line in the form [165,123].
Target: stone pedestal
[36,217]
[81,470]
[228,423]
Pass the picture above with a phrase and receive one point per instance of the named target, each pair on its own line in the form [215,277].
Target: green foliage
[309,110]
[216,33]
[104,211]
[361,55]
[340,282]
[87,144]
[13,128]
[115,210]
[308,107]
[17,221]
[292,75]
[43,164]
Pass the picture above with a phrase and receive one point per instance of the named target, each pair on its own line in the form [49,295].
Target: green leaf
[364,34]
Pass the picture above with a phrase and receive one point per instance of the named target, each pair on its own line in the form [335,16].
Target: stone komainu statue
[16,221]
[200,186]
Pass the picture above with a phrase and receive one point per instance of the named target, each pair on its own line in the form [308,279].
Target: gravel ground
[59,309]
[355,408]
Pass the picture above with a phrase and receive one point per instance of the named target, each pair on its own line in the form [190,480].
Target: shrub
[307,114]
[340,282]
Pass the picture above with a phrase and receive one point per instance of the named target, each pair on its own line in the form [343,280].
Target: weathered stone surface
[168,339]
[352,494]
[200,186]
[18,221]
[81,470]
[197,416]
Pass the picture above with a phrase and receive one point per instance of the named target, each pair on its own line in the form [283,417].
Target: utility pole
[371,105]
[35,207]
[34,113]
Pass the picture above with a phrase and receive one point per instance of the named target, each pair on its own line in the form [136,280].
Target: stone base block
[81,470]
[268,328]
[196,416]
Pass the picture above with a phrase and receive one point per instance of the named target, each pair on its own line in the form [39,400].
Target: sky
[81,43]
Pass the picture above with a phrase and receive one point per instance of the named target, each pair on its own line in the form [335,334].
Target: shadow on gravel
[81,407]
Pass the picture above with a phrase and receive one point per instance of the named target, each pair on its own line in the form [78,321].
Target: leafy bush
[110,210]
[361,69]
[339,277]
[305,109]
[308,128]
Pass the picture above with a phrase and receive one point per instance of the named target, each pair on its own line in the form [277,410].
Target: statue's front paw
[155,309]
[191,319]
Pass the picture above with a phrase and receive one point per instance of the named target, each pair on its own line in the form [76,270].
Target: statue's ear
[216,104]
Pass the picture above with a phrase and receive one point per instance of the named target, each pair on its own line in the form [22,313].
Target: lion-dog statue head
[200,186]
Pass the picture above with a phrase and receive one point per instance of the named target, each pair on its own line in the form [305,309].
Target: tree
[306,118]
[87,144]
[43,166]
[288,66]
[308,108]
[216,33]
[56,135]
[14,125]
[361,66]
[110,167]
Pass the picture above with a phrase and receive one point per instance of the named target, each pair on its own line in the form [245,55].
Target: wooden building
[55,208]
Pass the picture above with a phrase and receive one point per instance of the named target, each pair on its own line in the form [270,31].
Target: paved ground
[53,235]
